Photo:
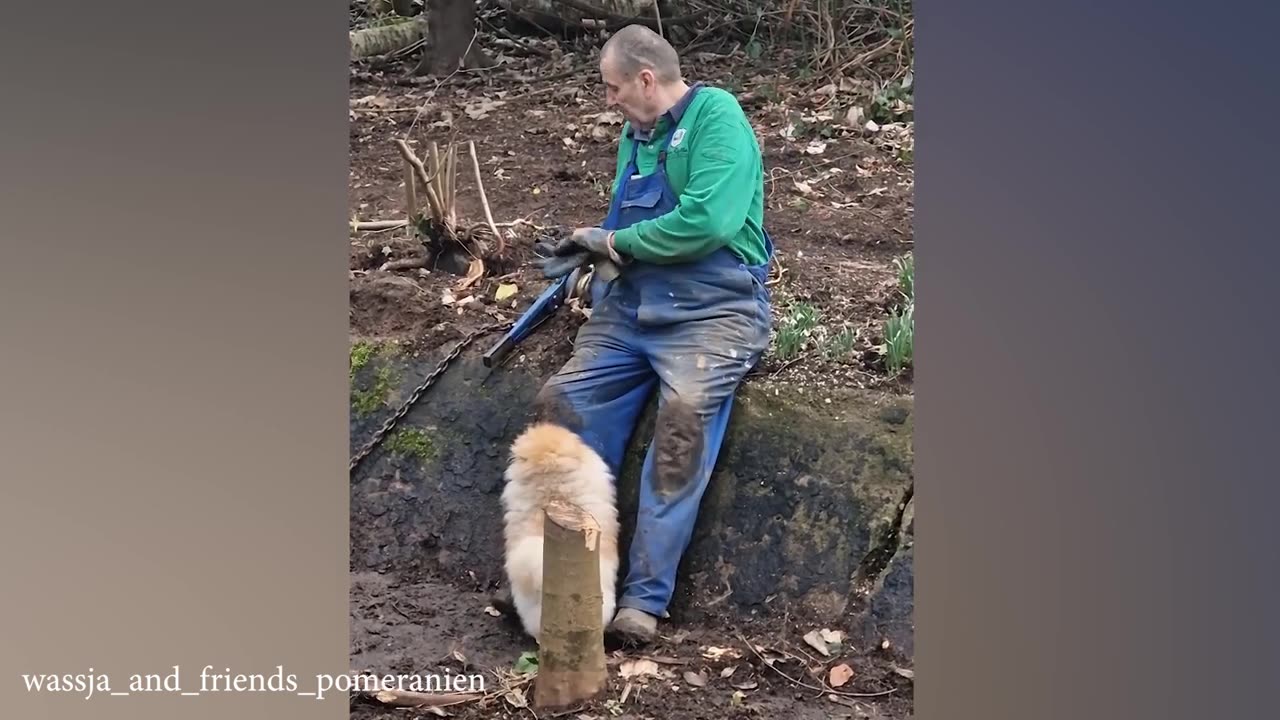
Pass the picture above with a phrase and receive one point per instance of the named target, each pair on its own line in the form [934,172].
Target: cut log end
[571,517]
[571,663]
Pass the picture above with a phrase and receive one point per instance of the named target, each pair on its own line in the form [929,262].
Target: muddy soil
[839,206]
[432,627]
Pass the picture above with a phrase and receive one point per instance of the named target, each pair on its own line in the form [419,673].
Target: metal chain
[417,393]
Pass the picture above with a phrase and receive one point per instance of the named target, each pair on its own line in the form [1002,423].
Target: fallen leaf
[434,710]
[695,679]
[516,697]
[872,126]
[737,698]
[828,89]
[666,660]
[745,684]
[447,298]
[608,117]
[475,270]
[492,611]
[840,675]
[505,290]
[832,637]
[803,187]
[639,667]
[728,671]
[715,653]
[814,638]
[854,117]
[480,109]
[905,672]
[371,101]
[816,147]
[599,134]
[457,655]
[841,700]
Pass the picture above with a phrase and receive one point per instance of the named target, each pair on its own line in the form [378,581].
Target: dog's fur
[549,462]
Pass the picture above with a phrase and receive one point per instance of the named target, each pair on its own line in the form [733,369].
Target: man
[686,311]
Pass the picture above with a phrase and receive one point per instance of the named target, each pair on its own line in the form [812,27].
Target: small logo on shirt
[677,136]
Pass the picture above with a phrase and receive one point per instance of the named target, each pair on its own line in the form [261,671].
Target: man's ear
[648,81]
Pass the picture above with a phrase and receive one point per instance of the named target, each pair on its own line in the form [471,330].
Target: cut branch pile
[445,238]
[841,36]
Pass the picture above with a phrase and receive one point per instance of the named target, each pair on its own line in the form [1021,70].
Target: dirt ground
[839,206]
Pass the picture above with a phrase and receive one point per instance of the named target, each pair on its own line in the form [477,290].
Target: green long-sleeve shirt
[715,168]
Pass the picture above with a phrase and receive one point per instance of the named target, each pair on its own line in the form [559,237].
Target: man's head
[641,74]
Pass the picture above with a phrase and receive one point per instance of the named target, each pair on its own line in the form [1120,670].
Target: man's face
[635,97]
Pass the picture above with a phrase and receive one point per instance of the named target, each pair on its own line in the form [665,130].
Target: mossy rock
[802,498]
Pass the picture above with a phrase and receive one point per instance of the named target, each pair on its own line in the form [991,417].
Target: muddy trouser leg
[601,391]
[700,364]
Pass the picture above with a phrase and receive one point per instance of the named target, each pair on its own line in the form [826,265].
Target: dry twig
[484,201]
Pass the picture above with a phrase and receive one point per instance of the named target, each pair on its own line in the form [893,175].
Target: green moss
[368,401]
[412,442]
[368,396]
[361,353]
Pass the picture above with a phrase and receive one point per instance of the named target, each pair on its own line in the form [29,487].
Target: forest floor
[839,207]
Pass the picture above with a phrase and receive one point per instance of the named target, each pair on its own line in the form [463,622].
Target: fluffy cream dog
[549,462]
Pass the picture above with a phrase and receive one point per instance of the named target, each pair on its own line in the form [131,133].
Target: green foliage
[795,329]
[900,326]
[527,663]
[894,102]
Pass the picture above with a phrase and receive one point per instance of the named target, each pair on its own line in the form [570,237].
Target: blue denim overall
[693,330]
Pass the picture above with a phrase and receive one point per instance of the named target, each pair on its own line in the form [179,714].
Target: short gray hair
[636,47]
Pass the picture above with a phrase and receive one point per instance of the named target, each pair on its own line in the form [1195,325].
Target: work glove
[560,258]
[595,240]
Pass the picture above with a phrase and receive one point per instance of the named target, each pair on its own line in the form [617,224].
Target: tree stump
[571,660]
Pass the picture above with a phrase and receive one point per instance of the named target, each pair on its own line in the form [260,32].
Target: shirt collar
[672,115]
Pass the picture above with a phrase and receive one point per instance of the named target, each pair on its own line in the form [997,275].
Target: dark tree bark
[451,29]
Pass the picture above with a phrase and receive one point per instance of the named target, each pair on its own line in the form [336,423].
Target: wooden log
[571,658]
[383,39]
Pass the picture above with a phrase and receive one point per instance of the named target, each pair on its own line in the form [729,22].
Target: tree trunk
[576,16]
[384,39]
[571,662]
[450,46]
